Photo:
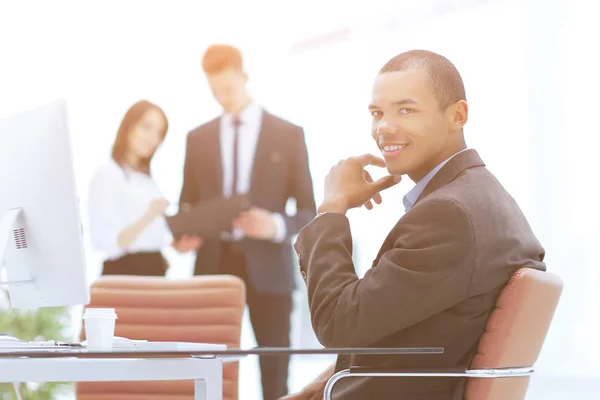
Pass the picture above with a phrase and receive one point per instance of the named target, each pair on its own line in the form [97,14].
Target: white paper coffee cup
[99,327]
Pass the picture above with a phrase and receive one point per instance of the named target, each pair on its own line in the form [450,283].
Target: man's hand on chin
[349,185]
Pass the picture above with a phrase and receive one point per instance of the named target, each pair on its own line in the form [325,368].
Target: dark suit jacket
[280,171]
[433,283]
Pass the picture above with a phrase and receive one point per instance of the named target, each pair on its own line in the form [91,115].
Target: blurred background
[530,68]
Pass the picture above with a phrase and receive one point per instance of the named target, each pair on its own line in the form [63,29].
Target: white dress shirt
[413,195]
[117,197]
[248,132]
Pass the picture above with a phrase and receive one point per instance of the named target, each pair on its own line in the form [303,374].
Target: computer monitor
[40,229]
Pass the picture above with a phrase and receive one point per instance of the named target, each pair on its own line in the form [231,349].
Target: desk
[79,365]
[204,367]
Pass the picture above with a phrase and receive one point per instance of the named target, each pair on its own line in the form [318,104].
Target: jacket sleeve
[426,270]
[300,187]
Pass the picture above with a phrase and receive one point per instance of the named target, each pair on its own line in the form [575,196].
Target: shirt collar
[248,116]
[411,197]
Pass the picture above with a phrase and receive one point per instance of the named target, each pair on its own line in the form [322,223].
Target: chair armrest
[375,372]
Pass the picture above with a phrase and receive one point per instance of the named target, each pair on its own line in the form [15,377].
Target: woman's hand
[157,207]
[127,236]
[187,243]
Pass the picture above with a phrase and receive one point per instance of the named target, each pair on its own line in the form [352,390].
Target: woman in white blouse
[126,208]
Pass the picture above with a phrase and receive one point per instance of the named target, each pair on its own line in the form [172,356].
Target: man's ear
[458,114]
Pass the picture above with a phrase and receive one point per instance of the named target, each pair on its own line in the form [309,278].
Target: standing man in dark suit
[439,271]
[248,150]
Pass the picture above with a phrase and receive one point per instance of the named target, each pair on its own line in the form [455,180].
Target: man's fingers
[246,223]
[377,198]
[245,217]
[369,205]
[370,159]
[386,182]
[249,214]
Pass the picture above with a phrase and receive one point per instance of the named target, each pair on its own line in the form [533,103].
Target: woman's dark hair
[131,118]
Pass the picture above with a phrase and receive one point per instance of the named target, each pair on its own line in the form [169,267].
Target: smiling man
[440,269]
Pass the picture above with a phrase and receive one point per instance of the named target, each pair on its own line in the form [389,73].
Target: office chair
[507,350]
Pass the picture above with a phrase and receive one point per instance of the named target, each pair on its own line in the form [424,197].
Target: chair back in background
[202,309]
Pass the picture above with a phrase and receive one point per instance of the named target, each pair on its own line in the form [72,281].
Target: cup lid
[99,311]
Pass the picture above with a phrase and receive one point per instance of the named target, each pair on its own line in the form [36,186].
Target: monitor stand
[7,226]
[12,224]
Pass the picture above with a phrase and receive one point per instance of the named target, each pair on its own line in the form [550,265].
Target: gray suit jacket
[433,283]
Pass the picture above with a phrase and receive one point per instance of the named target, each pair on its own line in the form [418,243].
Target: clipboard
[209,218]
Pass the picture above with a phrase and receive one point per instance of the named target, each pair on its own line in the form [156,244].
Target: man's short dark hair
[220,57]
[446,83]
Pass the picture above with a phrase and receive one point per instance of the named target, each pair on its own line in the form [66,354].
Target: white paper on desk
[16,345]
[170,346]
[144,345]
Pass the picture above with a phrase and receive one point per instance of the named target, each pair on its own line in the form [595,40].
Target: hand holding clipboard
[209,218]
[258,223]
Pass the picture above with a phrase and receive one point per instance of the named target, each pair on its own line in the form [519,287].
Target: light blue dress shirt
[411,197]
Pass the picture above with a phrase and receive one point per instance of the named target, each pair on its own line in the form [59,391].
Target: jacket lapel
[263,148]
[465,160]
[214,146]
